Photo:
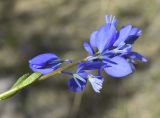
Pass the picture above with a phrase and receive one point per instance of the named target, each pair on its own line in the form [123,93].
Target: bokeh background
[32,27]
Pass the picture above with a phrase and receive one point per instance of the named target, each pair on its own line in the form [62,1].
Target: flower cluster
[109,49]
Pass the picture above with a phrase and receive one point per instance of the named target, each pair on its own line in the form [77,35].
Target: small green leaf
[31,79]
[21,83]
[21,79]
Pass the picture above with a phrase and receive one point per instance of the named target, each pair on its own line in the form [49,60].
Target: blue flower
[45,63]
[114,48]
[109,48]
[79,79]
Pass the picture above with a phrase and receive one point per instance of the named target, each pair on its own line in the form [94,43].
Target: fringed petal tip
[96,82]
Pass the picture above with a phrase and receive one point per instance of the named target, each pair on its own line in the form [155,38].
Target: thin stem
[76,105]
[66,73]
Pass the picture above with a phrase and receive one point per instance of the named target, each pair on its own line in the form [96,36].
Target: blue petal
[125,48]
[133,35]
[83,75]
[44,70]
[93,39]
[123,34]
[88,48]
[135,31]
[76,85]
[121,69]
[135,55]
[43,58]
[107,60]
[90,66]
[105,36]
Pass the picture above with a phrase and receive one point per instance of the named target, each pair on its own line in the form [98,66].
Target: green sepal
[20,80]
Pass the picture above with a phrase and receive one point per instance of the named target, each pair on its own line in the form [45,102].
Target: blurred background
[32,27]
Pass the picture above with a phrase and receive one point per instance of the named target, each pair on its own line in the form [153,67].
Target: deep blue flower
[79,79]
[45,63]
[114,47]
